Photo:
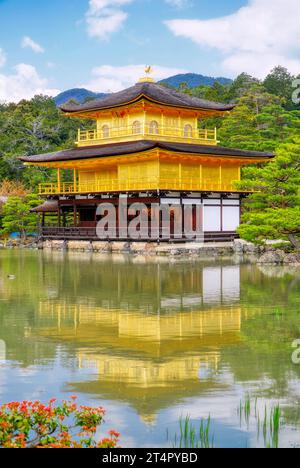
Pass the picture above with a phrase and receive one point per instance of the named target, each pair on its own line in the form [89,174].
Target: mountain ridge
[191,79]
[194,79]
[78,94]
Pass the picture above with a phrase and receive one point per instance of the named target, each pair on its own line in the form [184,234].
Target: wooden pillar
[75,214]
[201,177]
[58,180]
[59,217]
[162,123]
[144,123]
[221,213]
[181,182]
[75,180]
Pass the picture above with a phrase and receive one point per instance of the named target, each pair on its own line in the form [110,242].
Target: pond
[152,341]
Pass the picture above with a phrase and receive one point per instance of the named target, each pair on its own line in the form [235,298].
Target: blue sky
[50,46]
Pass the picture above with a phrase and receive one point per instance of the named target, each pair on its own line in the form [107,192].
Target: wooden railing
[173,134]
[130,185]
[84,233]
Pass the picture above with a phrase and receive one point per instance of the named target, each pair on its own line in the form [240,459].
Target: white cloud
[28,43]
[258,65]
[257,37]
[50,65]
[108,78]
[2,57]
[104,17]
[178,3]
[24,83]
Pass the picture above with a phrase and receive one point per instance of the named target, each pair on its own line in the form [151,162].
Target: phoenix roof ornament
[147,78]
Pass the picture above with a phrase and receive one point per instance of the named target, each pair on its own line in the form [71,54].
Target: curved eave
[47,207]
[142,147]
[79,112]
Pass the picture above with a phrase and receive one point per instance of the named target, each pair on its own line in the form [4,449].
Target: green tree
[273,211]
[217,92]
[280,83]
[16,215]
[259,122]
[33,127]
[184,88]
[241,85]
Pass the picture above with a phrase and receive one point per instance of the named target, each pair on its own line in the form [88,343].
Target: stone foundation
[142,248]
[268,254]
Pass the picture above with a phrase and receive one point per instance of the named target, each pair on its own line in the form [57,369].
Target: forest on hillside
[266,118]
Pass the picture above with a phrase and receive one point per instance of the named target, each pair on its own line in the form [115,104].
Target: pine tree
[280,83]
[33,127]
[259,122]
[273,211]
[16,215]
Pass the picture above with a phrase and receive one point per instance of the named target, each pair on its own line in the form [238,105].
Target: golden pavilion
[148,146]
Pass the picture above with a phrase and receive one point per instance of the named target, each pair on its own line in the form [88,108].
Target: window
[136,128]
[171,122]
[105,131]
[188,131]
[153,128]
[119,122]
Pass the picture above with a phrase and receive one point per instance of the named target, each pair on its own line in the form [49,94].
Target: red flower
[4,424]
[40,419]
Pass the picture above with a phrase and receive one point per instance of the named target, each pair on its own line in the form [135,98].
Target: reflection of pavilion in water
[148,359]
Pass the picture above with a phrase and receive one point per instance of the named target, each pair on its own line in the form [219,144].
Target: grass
[269,426]
[245,411]
[275,425]
[194,438]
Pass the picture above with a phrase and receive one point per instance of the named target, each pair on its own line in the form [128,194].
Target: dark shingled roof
[119,149]
[152,92]
[50,206]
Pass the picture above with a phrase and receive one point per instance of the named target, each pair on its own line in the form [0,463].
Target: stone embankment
[266,255]
[191,249]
